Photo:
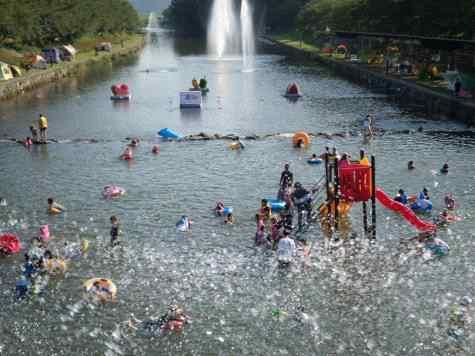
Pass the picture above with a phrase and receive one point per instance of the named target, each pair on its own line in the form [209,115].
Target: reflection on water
[350,297]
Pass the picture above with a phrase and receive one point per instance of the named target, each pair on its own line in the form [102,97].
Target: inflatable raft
[101,288]
[9,244]
[169,134]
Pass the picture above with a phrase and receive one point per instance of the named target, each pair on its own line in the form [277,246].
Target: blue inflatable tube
[169,134]
[315,161]
[227,211]
[276,205]
[422,206]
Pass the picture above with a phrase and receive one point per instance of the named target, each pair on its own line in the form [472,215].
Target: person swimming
[449,202]
[55,208]
[230,220]
[401,197]
[219,208]
[156,149]
[127,155]
[174,320]
[410,165]
[445,168]
[184,224]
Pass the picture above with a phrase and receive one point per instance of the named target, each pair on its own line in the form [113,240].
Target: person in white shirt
[286,249]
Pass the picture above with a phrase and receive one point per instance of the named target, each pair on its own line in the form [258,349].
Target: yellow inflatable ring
[101,288]
[301,136]
[235,146]
[55,211]
[55,266]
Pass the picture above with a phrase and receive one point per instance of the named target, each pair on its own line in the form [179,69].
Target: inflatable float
[101,288]
[184,224]
[120,92]
[169,134]
[316,161]
[9,244]
[54,211]
[422,206]
[112,191]
[435,248]
[276,205]
[301,137]
[56,266]
[236,146]
[228,210]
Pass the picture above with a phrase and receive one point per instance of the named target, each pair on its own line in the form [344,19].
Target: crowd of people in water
[275,229]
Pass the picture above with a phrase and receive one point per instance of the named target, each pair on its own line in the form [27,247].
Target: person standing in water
[115,231]
[286,177]
[368,126]
[43,125]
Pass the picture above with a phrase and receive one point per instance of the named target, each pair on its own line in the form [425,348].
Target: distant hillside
[144,6]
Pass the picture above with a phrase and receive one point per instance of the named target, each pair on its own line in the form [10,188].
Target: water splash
[247,37]
[223,34]
[152,22]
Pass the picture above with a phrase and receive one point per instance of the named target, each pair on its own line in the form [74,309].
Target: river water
[349,297]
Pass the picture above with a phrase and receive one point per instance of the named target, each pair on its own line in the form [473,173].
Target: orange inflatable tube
[301,137]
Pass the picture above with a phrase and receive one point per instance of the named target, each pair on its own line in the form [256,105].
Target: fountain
[247,36]
[223,34]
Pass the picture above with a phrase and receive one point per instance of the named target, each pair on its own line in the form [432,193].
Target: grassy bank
[85,46]
[295,39]
[85,59]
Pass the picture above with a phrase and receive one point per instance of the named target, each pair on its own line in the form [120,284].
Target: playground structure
[347,184]
[353,182]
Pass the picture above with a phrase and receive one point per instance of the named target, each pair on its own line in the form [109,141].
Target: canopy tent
[68,52]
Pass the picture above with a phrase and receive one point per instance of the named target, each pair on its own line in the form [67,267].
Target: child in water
[229,219]
[55,208]
[115,231]
[219,209]
[449,202]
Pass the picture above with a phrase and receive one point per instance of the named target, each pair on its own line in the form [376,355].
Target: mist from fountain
[247,36]
[223,32]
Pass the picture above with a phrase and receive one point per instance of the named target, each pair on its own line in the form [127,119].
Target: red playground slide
[407,213]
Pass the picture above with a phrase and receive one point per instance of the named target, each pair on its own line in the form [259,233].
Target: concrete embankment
[36,78]
[437,104]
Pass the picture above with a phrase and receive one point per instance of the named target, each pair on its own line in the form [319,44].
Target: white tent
[70,49]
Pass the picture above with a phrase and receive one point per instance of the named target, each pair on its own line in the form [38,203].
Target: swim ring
[228,210]
[9,244]
[235,146]
[54,211]
[315,161]
[276,205]
[112,191]
[101,288]
[301,136]
[55,266]
[422,206]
